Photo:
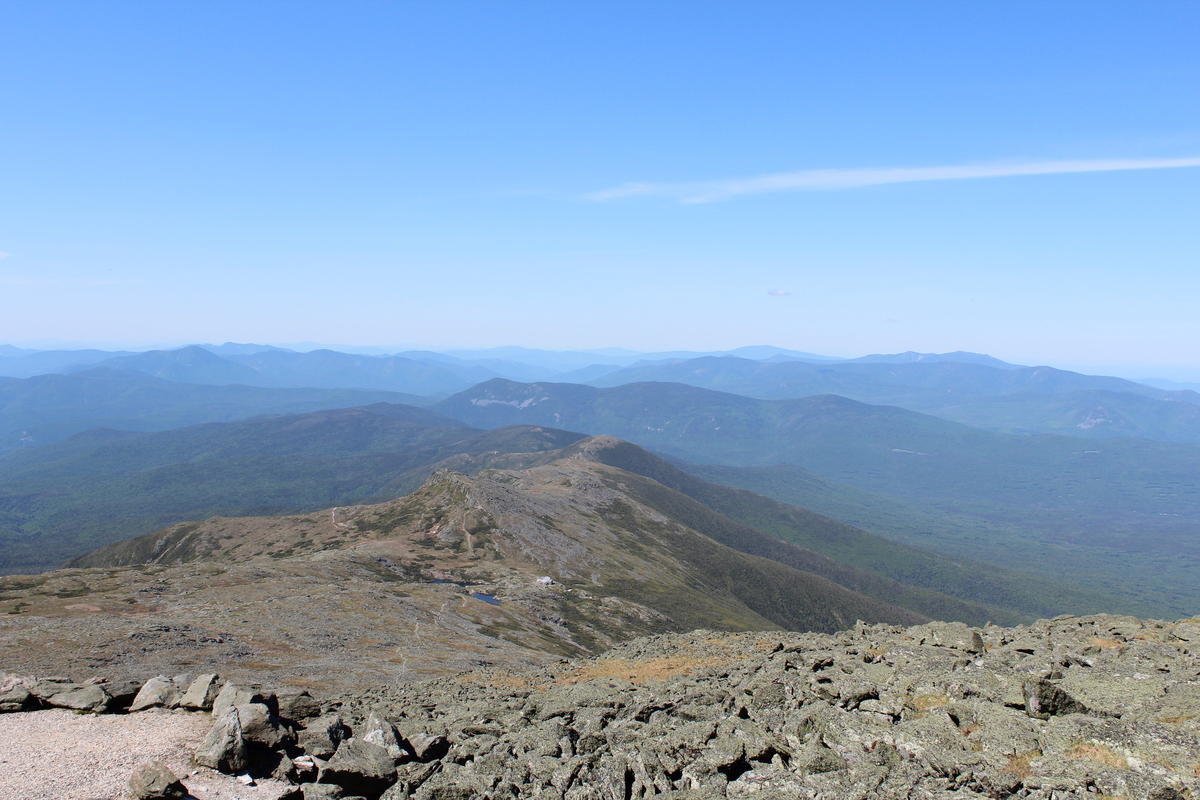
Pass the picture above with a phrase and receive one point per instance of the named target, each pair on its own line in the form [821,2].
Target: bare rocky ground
[1075,707]
[1087,707]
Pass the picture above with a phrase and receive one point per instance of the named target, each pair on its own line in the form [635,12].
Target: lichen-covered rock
[200,694]
[360,767]
[322,791]
[297,705]
[1064,709]
[86,697]
[233,695]
[260,727]
[18,698]
[158,692]
[378,730]
[224,748]
[153,781]
[321,736]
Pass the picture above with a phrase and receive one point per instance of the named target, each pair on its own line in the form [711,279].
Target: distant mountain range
[316,369]
[910,357]
[979,391]
[891,379]
[972,388]
[420,372]
[47,408]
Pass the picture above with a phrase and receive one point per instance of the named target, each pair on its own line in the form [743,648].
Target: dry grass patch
[1103,644]
[641,672]
[1177,720]
[1020,764]
[1098,753]
[923,702]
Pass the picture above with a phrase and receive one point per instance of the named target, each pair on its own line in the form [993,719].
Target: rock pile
[1098,706]
[98,695]
[1075,707]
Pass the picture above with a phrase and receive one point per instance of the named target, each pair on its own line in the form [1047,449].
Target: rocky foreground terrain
[1075,707]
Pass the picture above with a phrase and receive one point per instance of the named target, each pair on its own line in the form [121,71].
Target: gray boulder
[360,767]
[153,781]
[322,791]
[45,688]
[224,748]
[17,698]
[15,692]
[427,746]
[86,697]
[158,692]
[260,727]
[297,706]
[200,694]
[321,736]
[122,691]
[233,695]
[306,768]
[378,730]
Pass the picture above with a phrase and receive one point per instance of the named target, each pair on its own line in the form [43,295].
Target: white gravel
[60,755]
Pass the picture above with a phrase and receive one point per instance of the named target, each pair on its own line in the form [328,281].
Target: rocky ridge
[1074,707]
[437,582]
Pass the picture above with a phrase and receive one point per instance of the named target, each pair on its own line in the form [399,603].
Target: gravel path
[60,755]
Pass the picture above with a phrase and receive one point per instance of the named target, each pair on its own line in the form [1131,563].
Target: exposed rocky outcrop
[1071,707]
[153,781]
[1075,707]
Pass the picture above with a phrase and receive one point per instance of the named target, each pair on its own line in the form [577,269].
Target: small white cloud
[4,255]
[778,292]
[824,179]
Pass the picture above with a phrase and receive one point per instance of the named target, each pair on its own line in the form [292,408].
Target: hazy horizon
[1148,370]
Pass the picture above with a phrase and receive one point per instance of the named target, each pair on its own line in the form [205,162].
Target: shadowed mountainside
[48,408]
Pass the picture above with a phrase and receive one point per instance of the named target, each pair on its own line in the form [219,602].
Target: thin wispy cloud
[4,255]
[826,179]
[778,293]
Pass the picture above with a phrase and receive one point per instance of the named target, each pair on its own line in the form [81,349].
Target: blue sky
[592,174]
